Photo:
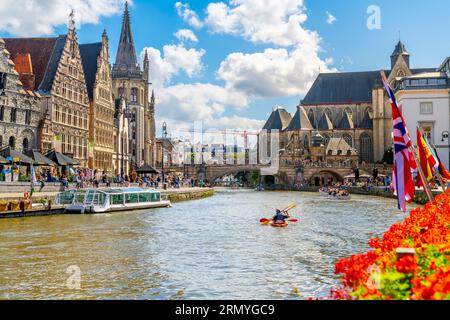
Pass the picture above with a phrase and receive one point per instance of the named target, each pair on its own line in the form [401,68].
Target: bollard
[401,252]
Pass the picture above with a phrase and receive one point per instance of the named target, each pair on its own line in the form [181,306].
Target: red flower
[406,264]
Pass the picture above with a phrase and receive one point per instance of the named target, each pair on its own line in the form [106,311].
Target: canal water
[206,249]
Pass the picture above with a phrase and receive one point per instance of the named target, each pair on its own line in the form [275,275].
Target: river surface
[206,249]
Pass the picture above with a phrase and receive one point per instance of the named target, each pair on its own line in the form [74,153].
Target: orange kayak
[279,225]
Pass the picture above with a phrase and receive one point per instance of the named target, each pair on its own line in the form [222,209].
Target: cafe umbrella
[146,169]
[39,159]
[13,156]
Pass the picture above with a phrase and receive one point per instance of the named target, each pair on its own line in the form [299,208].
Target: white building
[425,102]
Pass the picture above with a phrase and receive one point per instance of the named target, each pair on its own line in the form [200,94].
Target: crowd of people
[87,178]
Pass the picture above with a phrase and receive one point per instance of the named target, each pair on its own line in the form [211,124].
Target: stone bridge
[288,175]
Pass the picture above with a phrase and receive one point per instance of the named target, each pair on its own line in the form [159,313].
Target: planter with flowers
[422,274]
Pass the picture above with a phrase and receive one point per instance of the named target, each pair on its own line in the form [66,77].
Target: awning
[13,156]
[59,158]
[3,160]
[147,169]
[39,158]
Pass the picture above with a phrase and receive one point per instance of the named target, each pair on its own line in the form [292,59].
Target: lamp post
[445,135]
[164,135]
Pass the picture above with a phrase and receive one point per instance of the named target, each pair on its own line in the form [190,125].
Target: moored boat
[110,200]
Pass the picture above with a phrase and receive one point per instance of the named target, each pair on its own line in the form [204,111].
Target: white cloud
[330,18]
[276,22]
[186,35]
[197,102]
[272,73]
[188,15]
[34,18]
[173,60]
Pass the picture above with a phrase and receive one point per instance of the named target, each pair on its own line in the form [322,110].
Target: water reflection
[206,249]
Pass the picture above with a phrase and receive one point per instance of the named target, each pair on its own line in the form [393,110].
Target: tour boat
[324,192]
[110,200]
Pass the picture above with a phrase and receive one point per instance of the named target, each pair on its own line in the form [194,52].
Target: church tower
[400,50]
[131,83]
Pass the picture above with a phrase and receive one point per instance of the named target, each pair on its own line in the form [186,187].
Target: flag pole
[426,187]
[414,153]
[436,172]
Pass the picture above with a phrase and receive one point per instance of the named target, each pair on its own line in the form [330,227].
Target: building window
[427,130]
[366,148]
[134,95]
[12,142]
[13,115]
[349,139]
[25,144]
[28,117]
[426,108]
[1,141]
[2,113]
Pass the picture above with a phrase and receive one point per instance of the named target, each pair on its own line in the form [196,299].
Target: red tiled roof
[40,50]
[22,63]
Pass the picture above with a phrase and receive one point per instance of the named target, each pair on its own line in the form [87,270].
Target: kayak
[279,225]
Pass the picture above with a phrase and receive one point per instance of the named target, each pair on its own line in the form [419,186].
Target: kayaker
[280,217]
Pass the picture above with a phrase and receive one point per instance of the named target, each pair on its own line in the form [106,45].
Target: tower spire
[126,60]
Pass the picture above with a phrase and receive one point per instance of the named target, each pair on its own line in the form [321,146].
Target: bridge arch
[325,177]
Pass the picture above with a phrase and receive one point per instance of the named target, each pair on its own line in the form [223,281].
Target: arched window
[134,95]
[311,117]
[2,113]
[25,144]
[1,141]
[348,138]
[366,149]
[12,142]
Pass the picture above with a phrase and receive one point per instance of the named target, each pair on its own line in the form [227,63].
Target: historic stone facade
[59,78]
[352,106]
[20,110]
[98,76]
[122,155]
[132,83]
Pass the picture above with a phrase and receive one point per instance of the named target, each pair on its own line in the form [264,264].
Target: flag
[403,183]
[442,170]
[427,158]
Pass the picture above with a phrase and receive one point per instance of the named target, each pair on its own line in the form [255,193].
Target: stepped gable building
[20,106]
[58,75]
[97,71]
[132,83]
[352,106]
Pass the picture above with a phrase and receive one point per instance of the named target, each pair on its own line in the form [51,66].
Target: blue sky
[197,89]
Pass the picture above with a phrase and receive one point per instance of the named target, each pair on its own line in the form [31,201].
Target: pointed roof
[300,121]
[400,49]
[278,120]
[89,54]
[126,61]
[346,122]
[338,146]
[325,123]
[53,63]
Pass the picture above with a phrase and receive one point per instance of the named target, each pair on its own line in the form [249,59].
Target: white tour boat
[110,200]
